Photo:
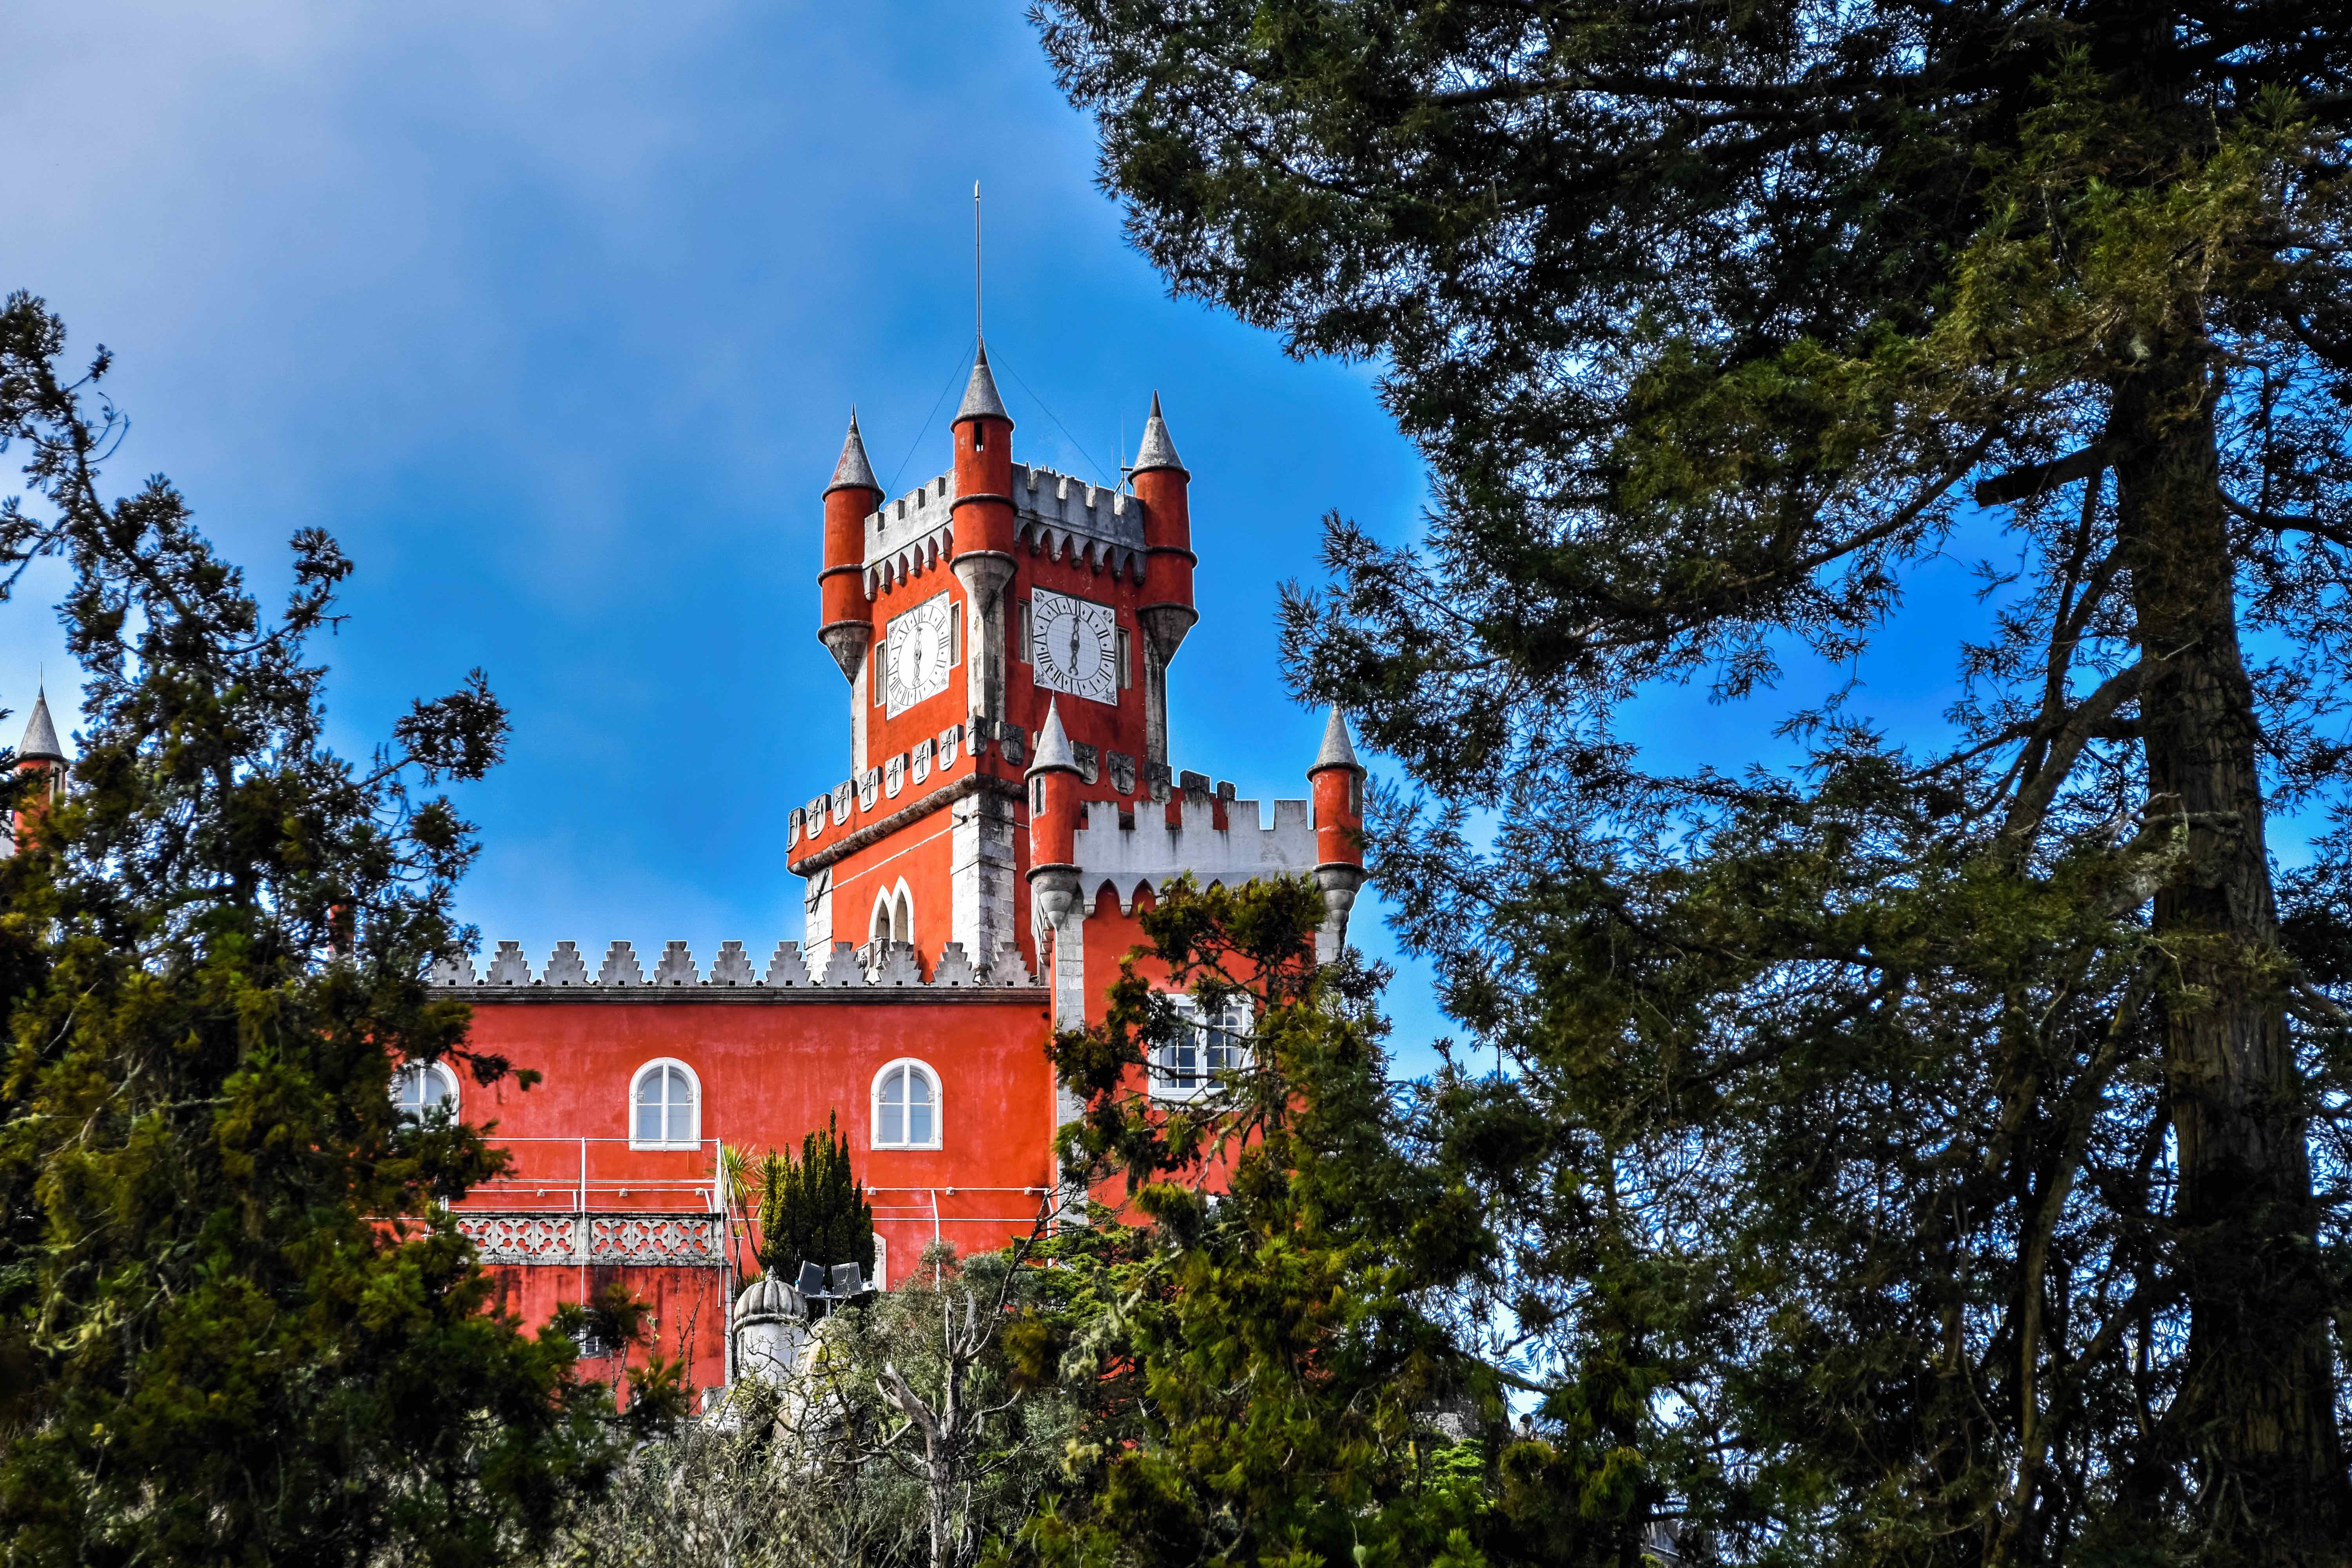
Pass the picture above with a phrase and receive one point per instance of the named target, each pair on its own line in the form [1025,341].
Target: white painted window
[421,1088]
[665,1106]
[907,1111]
[1205,1046]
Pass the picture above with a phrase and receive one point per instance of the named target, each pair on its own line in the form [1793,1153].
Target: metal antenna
[975,260]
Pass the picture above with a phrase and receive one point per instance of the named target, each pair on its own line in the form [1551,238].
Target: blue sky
[553,316]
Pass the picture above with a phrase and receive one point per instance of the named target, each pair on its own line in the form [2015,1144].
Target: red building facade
[1005,632]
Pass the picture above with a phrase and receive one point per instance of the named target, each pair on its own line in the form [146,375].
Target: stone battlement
[1054,514]
[876,966]
[1130,850]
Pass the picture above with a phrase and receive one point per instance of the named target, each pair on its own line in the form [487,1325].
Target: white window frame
[873,1105]
[693,1139]
[887,902]
[438,1069]
[1204,1078]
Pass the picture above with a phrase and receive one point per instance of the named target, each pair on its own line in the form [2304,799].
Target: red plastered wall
[768,1072]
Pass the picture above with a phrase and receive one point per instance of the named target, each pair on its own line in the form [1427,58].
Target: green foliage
[813,1209]
[234,1324]
[1921,1154]
[1258,1377]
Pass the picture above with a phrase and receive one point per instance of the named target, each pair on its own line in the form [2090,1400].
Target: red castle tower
[1005,632]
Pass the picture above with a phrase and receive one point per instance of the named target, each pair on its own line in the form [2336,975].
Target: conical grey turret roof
[1157,450]
[852,472]
[980,399]
[1338,751]
[40,740]
[1054,744]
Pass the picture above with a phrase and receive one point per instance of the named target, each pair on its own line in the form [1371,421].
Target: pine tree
[1955,1129]
[235,1326]
[813,1209]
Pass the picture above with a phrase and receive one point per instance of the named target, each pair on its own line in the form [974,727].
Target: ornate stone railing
[697,1240]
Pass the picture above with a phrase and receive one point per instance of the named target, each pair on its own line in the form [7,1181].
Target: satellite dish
[847,1281]
[812,1281]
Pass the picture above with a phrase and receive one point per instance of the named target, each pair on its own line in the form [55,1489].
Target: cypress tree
[813,1209]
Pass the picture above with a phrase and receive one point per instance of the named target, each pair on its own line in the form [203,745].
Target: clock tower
[958,612]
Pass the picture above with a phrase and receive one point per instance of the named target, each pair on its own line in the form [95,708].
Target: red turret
[1053,820]
[848,629]
[39,754]
[1337,782]
[984,529]
[1167,612]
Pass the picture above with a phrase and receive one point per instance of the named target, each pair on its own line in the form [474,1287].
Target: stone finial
[1338,751]
[40,742]
[507,966]
[953,968]
[621,966]
[852,472]
[1195,785]
[455,970]
[787,968]
[842,967]
[676,966]
[1157,450]
[566,966]
[732,967]
[897,966]
[980,399]
[1054,744]
[1010,968]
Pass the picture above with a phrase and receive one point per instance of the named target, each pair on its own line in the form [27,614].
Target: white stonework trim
[887,903]
[881,1280]
[1152,852]
[981,891]
[693,1139]
[873,1105]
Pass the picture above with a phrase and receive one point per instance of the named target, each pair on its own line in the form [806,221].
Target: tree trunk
[2255,1417]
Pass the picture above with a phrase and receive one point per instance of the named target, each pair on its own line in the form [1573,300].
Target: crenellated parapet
[1213,837]
[677,976]
[1054,514]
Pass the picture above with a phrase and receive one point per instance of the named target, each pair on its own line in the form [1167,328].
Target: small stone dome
[768,1298]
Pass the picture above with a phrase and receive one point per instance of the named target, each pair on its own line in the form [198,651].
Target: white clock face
[1074,643]
[917,650]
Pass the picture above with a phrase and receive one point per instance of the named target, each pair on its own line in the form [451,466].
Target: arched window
[420,1089]
[665,1106]
[906,1113]
[894,916]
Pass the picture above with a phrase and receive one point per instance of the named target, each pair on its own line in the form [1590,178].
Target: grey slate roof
[980,399]
[40,735]
[1054,744]
[852,472]
[1157,450]
[1338,751]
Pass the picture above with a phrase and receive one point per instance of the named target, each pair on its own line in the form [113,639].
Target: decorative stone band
[678,977]
[662,1241]
[821,856]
